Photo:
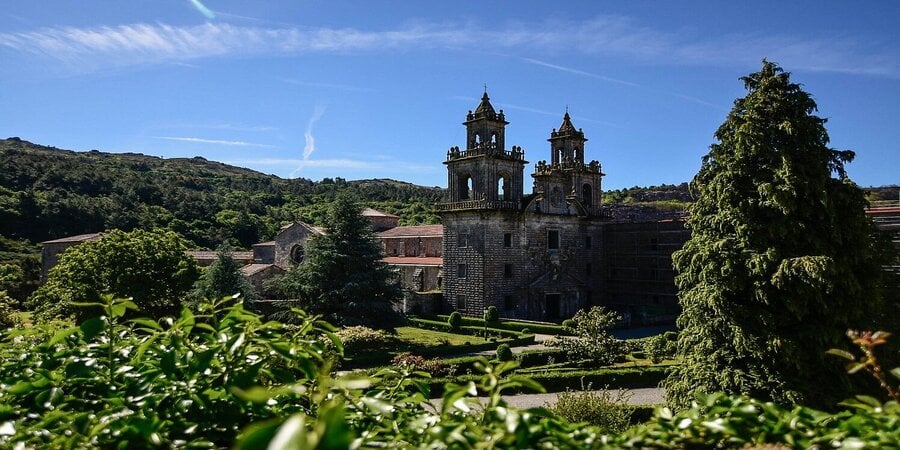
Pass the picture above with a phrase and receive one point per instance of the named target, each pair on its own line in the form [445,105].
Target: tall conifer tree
[342,275]
[781,260]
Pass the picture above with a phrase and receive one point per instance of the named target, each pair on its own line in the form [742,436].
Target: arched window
[466,186]
[297,254]
[503,187]
[587,195]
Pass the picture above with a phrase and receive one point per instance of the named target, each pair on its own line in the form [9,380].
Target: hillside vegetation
[48,193]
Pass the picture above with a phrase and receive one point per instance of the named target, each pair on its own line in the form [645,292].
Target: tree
[149,266]
[781,260]
[592,337]
[223,278]
[342,276]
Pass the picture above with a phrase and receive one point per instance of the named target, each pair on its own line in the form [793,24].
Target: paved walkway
[643,396]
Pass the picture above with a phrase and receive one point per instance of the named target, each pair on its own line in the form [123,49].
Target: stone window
[586,195]
[587,242]
[553,239]
[461,271]
[507,240]
[556,196]
[507,271]
[297,254]
[503,187]
[461,302]
[508,302]
[419,280]
[587,269]
[462,240]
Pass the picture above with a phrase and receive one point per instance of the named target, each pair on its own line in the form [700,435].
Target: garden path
[641,396]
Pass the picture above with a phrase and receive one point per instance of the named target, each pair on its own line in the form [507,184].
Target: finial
[485,88]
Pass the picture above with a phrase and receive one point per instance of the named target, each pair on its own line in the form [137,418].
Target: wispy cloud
[203,9]
[310,141]
[212,141]
[615,36]
[345,87]
[577,72]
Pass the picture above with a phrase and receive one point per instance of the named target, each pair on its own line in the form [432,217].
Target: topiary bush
[569,324]
[504,353]
[455,320]
[491,314]
[661,347]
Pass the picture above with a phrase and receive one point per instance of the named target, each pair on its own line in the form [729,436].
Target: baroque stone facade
[535,256]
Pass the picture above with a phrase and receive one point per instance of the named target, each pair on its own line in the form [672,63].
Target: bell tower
[485,173]
[567,185]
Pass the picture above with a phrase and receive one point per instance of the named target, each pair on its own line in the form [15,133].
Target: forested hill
[47,193]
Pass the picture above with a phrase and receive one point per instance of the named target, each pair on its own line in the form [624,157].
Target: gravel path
[643,396]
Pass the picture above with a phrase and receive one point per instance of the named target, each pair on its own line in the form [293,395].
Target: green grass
[422,337]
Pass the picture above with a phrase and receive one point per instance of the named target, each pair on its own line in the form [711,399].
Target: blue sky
[379,89]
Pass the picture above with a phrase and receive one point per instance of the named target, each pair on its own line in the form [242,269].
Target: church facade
[534,256]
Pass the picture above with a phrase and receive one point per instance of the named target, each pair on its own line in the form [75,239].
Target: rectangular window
[461,271]
[507,271]
[587,269]
[461,302]
[507,240]
[553,239]
[508,303]
[462,240]
[654,244]
[587,242]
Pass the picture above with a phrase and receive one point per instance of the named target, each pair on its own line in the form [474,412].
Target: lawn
[429,338]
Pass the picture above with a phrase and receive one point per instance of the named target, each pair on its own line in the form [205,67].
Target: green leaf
[841,353]
[61,335]
[92,327]
[895,372]
[258,435]
[147,323]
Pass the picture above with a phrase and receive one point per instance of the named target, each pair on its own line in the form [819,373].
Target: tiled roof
[79,238]
[210,255]
[252,269]
[413,231]
[413,261]
[369,212]
[264,243]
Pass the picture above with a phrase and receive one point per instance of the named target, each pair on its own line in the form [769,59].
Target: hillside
[47,193]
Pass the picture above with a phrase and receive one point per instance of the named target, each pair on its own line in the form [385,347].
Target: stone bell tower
[480,219]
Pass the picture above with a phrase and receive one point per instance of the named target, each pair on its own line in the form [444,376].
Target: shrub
[568,324]
[360,338]
[455,320]
[9,317]
[504,353]
[662,346]
[606,409]
[433,366]
[491,314]
[593,339]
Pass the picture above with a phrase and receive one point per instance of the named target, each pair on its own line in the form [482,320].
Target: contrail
[203,9]
[310,146]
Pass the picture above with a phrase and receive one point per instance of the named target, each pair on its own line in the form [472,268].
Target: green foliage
[455,320]
[781,260]
[432,367]
[606,409]
[504,353]
[592,337]
[342,276]
[223,278]
[148,266]
[491,314]
[662,346]
[360,338]
[194,379]
[569,323]
[9,316]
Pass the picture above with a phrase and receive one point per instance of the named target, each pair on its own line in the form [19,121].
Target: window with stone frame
[587,242]
[462,240]
[553,239]
[507,271]
[461,302]
[508,302]
[507,240]
[462,271]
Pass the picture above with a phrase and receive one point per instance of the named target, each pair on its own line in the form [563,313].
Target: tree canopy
[781,261]
[342,276]
[222,278]
[149,266]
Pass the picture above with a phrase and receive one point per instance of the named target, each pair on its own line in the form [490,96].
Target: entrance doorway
[551,303]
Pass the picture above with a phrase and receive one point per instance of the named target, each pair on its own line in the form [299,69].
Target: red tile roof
[413,261]
[369,212]
[413,231]
[210,255]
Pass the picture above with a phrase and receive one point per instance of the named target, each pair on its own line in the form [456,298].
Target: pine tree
[342,276]
[781,260]
[223,278]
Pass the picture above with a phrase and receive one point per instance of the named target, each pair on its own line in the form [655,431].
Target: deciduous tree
[149,266]
[781,260]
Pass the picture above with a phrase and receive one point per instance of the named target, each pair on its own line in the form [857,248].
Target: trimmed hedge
[531,358]
[470,330]
[510,325]
[607,377]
